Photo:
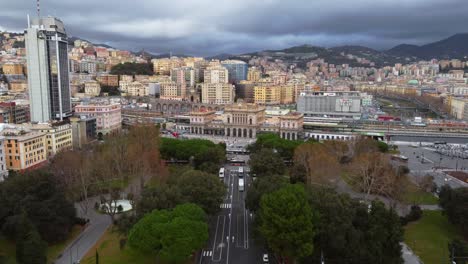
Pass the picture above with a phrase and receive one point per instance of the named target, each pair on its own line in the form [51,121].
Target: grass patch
[414,195]
[109,251]
[429,237]
[8,249]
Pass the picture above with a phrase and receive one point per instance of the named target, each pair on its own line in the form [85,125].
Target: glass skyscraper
[47,62]
[237,70]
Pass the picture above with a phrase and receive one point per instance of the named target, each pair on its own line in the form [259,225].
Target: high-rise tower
[47,62]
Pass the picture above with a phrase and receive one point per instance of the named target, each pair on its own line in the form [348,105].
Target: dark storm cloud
[207,27]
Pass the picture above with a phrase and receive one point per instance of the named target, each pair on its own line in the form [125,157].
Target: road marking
[207,253]
[220,245]
[225,206]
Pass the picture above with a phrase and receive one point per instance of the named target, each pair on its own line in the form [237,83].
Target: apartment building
[108,116]
[217,93]
[58,136]
[137,89]
[267,94]
[24,149]
[92,88]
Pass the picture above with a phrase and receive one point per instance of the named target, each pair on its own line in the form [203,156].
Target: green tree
[351,232]
[287,222]
[266,162]
[454,202]
[132,68]
[159,197]
[285,148]
[30,248]
[384,235]
[43,200]
[262,186]
[201,188]
[383,147]
[172,235]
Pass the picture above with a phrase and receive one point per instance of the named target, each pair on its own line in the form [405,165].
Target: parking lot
[425,158]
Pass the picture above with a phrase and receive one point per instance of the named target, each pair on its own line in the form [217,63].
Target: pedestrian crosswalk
[225,205]
[207,253]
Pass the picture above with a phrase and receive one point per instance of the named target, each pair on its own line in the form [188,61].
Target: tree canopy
[266,162]
[285,148]
[192,186]
[261,186]
[41,198]
[287,222]
[206,155]
[349,232]
[172,235]
[454,202]
[132,68]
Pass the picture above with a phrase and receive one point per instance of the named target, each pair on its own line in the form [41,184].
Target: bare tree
[321,166]
[372,173]
[73,169]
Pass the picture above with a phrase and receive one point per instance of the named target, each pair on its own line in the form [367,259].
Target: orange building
[12,68]
[24,149]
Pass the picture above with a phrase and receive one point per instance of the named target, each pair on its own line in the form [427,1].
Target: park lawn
[429,237]
[414,195]
[109,251]
[7,248]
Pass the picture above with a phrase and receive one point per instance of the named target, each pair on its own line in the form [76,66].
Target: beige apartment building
[287,94]
[165,65]
[216,74]
[172,91]
[137,89]
[267,95]
[217,93]
[254,74]
[92,88]
[58,136]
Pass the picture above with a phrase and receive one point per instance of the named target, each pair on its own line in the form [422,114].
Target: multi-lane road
[231,230]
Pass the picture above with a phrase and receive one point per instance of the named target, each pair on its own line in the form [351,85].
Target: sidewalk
[98,223]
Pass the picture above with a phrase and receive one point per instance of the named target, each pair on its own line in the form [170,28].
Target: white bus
[241,172]
[221,173]
[241,185]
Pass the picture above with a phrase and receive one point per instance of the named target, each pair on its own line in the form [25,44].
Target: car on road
[265,258]
[221,173]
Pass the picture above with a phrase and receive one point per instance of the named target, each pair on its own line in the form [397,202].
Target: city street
[231,231]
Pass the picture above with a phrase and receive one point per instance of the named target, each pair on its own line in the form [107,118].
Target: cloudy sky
[209,27]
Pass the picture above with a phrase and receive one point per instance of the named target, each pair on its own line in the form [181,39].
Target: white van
[241,185]
[221,173]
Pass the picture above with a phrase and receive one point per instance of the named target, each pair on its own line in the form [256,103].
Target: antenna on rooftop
[38,4]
